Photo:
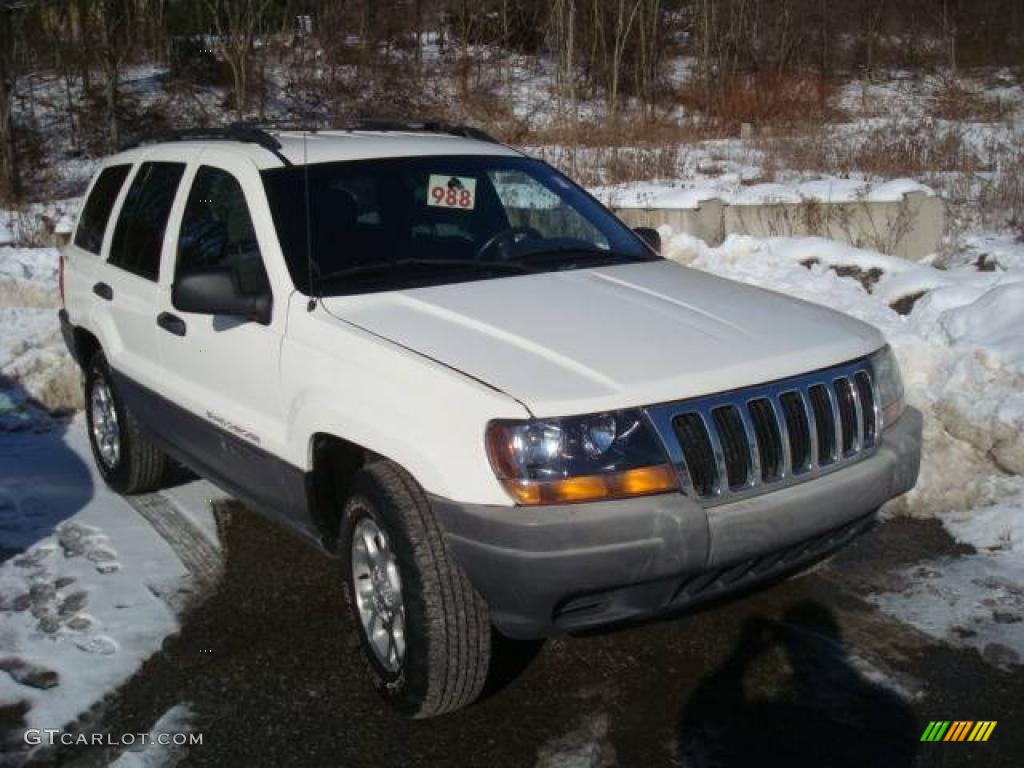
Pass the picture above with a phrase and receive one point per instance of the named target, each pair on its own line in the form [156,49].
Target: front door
[224,370]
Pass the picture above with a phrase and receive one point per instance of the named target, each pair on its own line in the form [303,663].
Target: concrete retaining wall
[911,227]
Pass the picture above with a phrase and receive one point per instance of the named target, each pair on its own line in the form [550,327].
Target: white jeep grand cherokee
[447,363]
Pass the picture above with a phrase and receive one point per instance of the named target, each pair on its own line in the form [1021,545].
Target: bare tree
[113,48]
[10,177]
[236,23]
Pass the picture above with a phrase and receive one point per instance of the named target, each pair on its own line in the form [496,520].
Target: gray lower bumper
[546,570]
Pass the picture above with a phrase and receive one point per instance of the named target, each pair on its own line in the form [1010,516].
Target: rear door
[128,283]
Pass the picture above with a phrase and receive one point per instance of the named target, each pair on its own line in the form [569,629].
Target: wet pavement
[806,673]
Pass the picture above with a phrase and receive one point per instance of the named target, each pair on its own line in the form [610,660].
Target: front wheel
[425,631]
[127,460]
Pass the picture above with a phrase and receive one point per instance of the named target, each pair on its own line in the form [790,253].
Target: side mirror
[216,291]
[650,236]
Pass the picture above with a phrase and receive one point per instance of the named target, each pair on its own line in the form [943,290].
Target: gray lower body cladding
[549,570]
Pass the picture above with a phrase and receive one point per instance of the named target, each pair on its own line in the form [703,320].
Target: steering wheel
[508,236]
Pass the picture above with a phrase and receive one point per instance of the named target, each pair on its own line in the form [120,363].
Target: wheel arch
[334,461]
[86,346]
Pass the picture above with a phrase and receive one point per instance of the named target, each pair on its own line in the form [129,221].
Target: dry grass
[597,153]
[765,99]
[956,100]
[981,182]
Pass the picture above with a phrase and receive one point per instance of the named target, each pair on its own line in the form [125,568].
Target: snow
[960,349]
[969,601]
[153,754]
[731,190]
[1004,252]
[587,746]
[81,598]
[991,323]
[32,353]
[34,265]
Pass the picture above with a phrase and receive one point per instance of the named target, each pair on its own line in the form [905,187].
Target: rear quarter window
[92,224]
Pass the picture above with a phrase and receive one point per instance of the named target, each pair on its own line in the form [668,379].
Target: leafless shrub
[955,100]
[765,99]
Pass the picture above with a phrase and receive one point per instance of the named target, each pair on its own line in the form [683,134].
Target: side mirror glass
[650,236]
[217,291]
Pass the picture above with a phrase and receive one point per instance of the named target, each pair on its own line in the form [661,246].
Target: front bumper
[548,570]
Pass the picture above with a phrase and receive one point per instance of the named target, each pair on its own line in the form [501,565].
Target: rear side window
[139,235]
[92,224]
[217,231]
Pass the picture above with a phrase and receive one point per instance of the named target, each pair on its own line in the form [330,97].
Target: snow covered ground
[89,588]
[84,603]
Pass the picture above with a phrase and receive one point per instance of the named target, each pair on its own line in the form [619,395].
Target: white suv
[446,363]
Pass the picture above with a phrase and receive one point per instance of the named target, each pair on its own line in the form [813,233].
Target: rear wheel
[425,631]
[127,460]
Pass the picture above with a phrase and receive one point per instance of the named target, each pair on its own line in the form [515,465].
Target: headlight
[581,458]
[889,385]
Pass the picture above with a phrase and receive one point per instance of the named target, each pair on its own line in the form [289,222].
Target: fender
[424,416]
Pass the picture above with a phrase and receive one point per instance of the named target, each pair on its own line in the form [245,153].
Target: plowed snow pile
[34,366]
[960,342]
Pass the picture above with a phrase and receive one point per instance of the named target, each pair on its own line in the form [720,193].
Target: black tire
[447,624]
[140,465]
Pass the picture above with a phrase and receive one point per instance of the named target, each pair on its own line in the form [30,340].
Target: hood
[589,340]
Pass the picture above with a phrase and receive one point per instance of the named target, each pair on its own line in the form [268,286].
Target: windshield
[376,225]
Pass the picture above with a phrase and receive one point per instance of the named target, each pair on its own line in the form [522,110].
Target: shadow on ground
[789,690]
[32,506]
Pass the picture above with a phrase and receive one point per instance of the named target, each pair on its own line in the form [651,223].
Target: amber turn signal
[643,481]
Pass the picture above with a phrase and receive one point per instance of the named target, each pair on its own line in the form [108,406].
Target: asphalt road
[806,673]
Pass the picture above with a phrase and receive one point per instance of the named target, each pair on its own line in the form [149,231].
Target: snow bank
[732,191]
[960,349]
[34,365]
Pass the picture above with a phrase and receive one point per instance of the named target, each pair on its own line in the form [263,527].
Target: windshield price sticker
[451,192]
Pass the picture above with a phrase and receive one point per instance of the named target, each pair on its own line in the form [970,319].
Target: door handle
[104,291]
[171,323]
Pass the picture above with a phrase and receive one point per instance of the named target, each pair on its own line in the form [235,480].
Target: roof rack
[243,132]
[421,126]
[251,133]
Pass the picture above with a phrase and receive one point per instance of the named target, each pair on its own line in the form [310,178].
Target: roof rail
[423,126]
[243,132]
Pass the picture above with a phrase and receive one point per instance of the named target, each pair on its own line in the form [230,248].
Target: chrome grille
[760,438]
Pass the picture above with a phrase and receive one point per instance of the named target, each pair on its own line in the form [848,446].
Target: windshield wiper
[383,267]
